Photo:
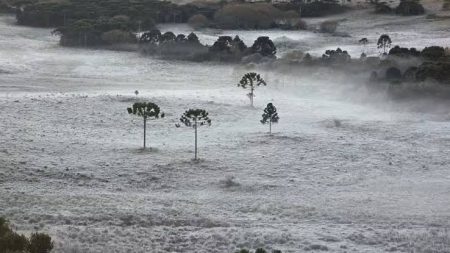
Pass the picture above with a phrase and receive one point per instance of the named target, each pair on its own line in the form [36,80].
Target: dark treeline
[403,71]
[144,12]
[224,49]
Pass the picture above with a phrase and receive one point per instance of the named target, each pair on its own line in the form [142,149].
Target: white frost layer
[71,164]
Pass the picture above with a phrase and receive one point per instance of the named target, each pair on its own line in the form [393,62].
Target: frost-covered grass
[345,170]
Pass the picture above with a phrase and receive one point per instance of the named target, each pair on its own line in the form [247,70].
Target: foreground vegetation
[12,242]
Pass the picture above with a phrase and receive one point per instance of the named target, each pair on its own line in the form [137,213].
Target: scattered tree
[146,111]
[251,80]
[364,42]
[270,116]
[195,118]
[384,42]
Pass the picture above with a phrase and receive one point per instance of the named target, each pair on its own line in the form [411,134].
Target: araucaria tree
[251,81]
[195,118]
[270,116]
[146,111]
[384,42]
[364,42]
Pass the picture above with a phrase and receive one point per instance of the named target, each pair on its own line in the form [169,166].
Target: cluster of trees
[241,15]
[145,13]
[225,48]
[430,63]
[337,56]
[434,64]
[101,22]
[56,13]
[97,32]
[196,118]
[10,241]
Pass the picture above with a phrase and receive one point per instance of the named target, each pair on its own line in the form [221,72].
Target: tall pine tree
[270,116]
[146,111]
[251,81]
[195,118]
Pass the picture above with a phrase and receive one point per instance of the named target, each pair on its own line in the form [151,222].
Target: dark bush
[336,57]
[193,38]
[222,44]
[409,8]
[264,46]
[383,8]
[11,241]
[393,74]
[168,37]
[433,53]
[152,37]
[410,74]
[437,71]
[40,243]
[404,52]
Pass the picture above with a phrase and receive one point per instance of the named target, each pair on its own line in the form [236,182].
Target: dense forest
[106,22]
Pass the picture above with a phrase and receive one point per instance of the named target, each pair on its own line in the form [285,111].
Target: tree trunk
[195,127]
[145,130]
[251,96]
[270,127]
[251,92]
